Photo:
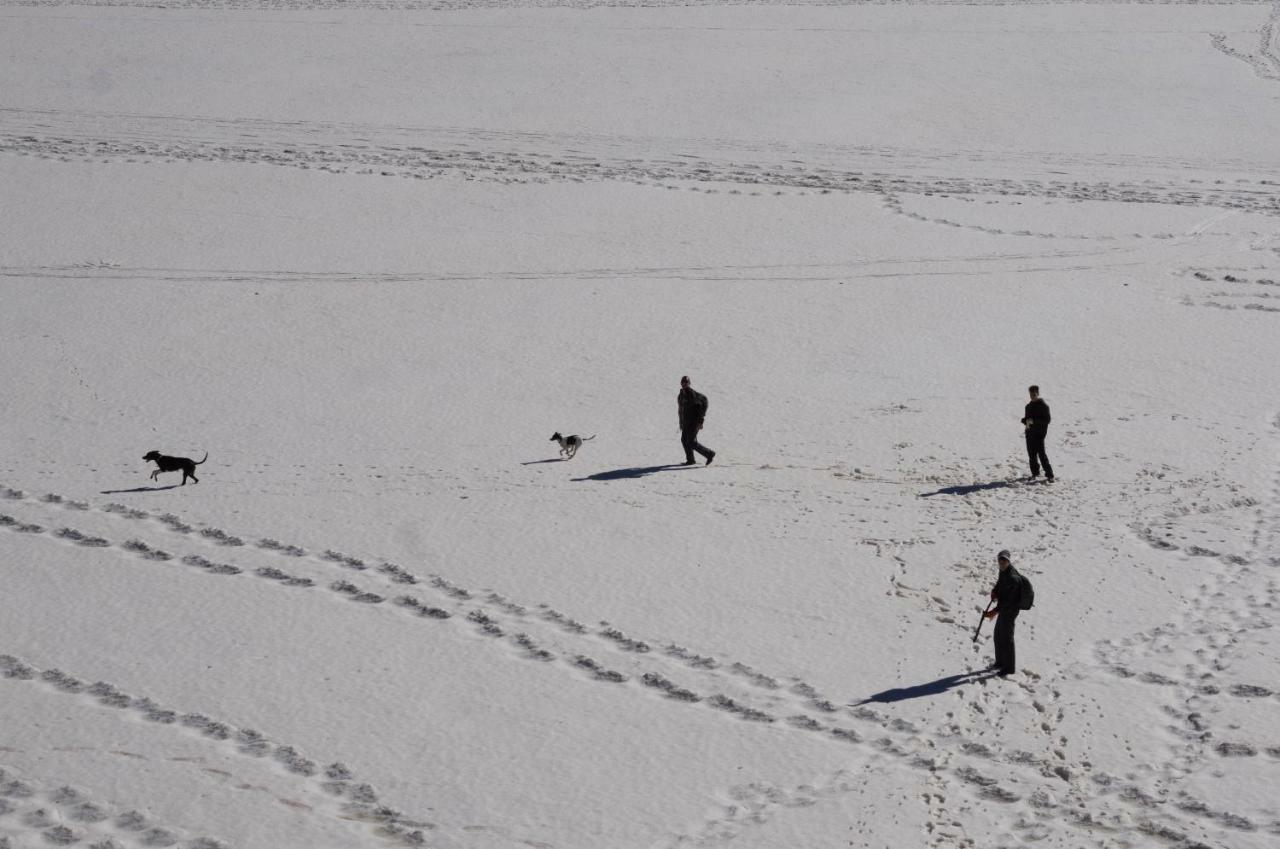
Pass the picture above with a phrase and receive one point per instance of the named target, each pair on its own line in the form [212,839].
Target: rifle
[982,619]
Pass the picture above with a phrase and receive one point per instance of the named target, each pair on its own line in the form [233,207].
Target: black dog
[174,464]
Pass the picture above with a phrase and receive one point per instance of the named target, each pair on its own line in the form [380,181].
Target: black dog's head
[151,455]
[556,437]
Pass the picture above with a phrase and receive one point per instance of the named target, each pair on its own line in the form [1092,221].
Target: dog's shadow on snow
[635,472]
[139,489]
[967,489]
[933,688]
[549,460]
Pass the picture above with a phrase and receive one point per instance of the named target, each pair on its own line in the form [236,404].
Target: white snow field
[370,255]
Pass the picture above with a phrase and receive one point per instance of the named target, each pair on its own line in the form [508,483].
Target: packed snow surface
[369,256]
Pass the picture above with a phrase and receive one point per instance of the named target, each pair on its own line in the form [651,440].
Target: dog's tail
[206,457]
[589,438]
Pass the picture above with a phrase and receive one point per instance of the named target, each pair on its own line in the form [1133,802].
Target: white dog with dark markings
[569,445]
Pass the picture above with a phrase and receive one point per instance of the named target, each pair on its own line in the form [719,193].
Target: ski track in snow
[1051,260]
[896,205]
[710,165]
[68,816]
[453,5]
[952,759]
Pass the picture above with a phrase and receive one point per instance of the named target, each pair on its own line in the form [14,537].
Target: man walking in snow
[692,407]
[1007,594]
[1035,418]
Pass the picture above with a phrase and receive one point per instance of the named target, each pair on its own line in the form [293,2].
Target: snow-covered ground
[370,255]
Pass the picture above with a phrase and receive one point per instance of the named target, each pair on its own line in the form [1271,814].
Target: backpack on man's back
[699,405]
[1026,593]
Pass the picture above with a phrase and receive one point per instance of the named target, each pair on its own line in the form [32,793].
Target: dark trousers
[689,439]
[1035,453]
[1005,657]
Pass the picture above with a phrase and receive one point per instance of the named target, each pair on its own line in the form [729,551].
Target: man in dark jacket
[1035,418]
[692,407]
[1007,594]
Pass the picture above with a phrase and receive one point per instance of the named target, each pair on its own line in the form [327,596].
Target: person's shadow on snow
[966,489]
[636,472]
[933,688]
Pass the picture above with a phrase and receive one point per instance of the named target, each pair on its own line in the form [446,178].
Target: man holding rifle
[1008,598]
